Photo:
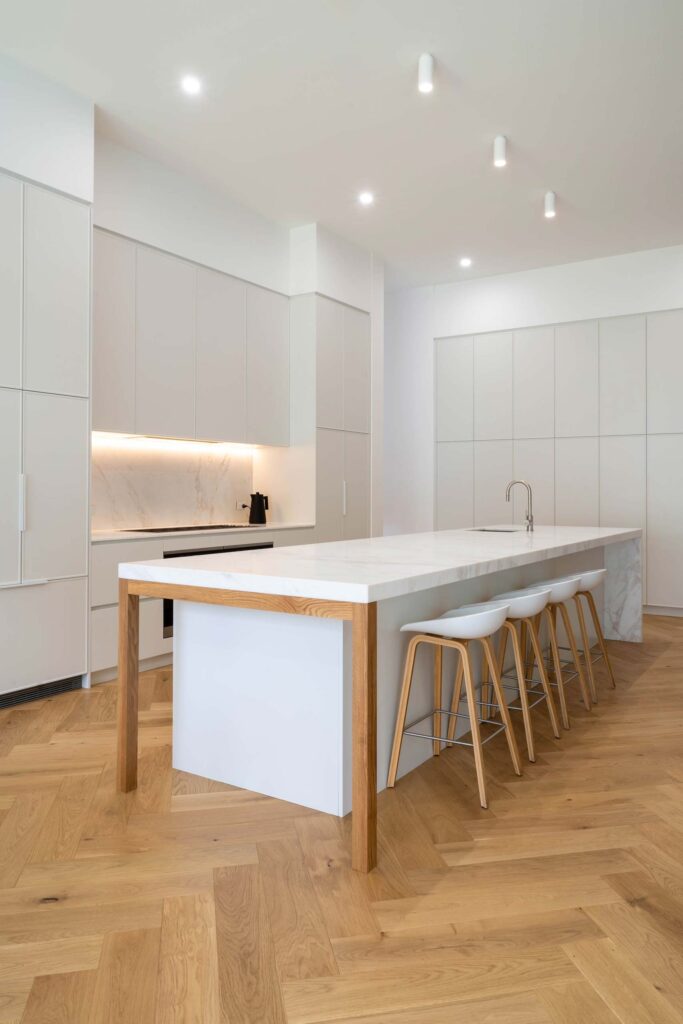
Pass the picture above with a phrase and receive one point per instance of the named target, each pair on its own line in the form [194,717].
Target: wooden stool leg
[564,612]
[485,691]
[601,636]
[502,648]
[552,632]
[474,726]
[521,682]
[587,660]
[455,702]
[402,709]
[438,688]
[545,682]
[504,713]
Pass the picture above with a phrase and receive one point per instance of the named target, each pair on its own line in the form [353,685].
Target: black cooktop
[182,529]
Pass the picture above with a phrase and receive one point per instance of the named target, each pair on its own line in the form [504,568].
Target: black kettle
[258,509]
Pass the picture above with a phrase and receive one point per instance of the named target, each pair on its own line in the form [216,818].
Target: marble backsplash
[135,485]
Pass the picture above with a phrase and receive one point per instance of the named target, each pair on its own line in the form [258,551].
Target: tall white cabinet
[44,434]
[343,421]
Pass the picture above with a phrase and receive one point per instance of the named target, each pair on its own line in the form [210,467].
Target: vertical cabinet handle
[343,497]
[22,502]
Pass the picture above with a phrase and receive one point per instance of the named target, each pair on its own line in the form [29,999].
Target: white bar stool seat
[475,622]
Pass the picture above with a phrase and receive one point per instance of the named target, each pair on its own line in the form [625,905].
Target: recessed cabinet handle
[22,502]
[343,497]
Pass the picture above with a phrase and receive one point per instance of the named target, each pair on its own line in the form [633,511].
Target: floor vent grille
[8,700]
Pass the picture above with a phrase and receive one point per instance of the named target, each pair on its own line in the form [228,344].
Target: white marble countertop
[102,536]
[376,568]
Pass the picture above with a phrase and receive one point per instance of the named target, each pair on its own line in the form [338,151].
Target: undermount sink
[497,529]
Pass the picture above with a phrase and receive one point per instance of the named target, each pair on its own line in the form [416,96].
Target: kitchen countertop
[376,568]
[102,536]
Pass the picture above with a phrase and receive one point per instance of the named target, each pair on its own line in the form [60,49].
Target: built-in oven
[168,605]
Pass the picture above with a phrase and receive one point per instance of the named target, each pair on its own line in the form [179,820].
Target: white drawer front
[104,566]
[104,635]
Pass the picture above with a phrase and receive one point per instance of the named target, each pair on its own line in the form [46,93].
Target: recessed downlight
[465,262]
[549,205]
[366,198]
[425,73]
[500,151]
[191,85]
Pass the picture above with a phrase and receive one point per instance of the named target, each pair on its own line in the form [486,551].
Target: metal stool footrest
[409,729]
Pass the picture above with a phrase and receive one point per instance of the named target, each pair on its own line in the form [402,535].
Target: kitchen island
[287,661]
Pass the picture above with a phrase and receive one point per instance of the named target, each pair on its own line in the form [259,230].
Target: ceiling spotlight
[500,151]
[465,262]
[191,85]
[549,205]
[366,198]
[425,73]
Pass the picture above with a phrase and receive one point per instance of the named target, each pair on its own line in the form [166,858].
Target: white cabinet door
[664,532]
[534,461]
[221,399]
[576,380]
[533,372]
[577,492]
[492,474]
[329,520]
[493,386]
[56,467]
[330,364]
[104,631]
[165,349]
[56,293]
[454,389]
[622,375]
[267,367]
[10,468]
[357,370]
[10,281]
[356,485]
[623,487]
[454,485]
[113,368]
[43,633]
[664,372]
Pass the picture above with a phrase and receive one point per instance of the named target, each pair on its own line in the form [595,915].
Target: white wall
[329,265]
[635,283]
[145,200]
[47,131]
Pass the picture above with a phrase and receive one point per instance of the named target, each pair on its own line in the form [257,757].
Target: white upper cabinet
[454,389]
[330,364]
[10,281]
[10,468]
[576,380]
[356,485]
[533,374]
[492,386]
[664,372]
[56,293]
[165,345]
[56,471]
[356,370]
[622,375]
[267,367]
[221,400]
[113,372]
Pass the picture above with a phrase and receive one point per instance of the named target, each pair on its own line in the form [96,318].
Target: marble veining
[377,568]
[136,488]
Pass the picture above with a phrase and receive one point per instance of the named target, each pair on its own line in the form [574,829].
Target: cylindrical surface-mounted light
[425,73]
[549,205]
[500,151]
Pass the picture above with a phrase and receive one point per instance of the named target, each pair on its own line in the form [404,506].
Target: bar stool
[524,608]
[562,590]
[457,630]
[590,581]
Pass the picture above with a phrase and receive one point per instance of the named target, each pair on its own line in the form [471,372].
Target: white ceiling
[309,101]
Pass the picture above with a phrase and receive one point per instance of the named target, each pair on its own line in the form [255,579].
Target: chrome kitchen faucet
[529,502]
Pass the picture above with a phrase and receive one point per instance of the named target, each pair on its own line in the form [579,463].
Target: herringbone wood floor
[190,901]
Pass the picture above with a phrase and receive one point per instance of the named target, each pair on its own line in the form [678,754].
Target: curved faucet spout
[529,501]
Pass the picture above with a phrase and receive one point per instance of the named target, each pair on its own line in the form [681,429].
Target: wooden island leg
[364,738]
[129,633]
